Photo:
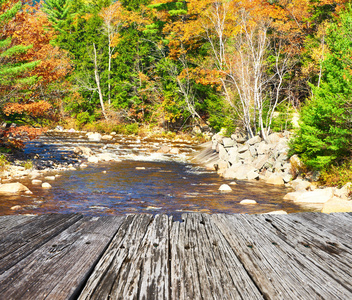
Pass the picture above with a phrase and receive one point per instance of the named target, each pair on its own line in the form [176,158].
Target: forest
[122,65]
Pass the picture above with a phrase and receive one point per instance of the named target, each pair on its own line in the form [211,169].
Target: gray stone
[223,153]
[260,161]
[254,140]
[253,151]
[239,172]
[246,156]
[275,179]
[107,137]
[228,142]
[251,175]
[274,138]
[263,148]
[317,196]
[94,137]
[243,148]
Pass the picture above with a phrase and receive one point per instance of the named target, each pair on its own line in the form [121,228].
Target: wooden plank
[338,224]
[21,240]
[279,271]
[203,265]
[60,267]
[10,221]
[117,274]
[320,247]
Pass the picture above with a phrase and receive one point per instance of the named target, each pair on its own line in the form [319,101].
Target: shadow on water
[162,187]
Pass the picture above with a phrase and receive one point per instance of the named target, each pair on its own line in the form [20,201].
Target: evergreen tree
[325,136]
[12,72]
[57,11]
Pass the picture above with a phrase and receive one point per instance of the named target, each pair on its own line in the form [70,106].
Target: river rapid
[144,181]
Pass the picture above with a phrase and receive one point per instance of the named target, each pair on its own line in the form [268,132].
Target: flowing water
[142,182]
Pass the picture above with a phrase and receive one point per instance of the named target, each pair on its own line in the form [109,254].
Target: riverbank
[239,158]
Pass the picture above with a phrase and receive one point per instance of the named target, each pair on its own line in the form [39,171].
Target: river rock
[175,151]
[275,179]
[337,205]
[34,174]
[164,149]
[36,181]
[49,177]
[16,207]
[46,185]
[260,161]
[82,166]
[94,137]
[107,137]
[248,201]
[223,153]
[225,188]
[85,151]
[13,188]
[105,157]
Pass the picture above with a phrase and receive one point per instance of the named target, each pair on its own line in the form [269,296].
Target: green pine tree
[325,136]
[57,11]
[12,72]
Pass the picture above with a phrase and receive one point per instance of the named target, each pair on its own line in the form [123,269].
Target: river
[142,182]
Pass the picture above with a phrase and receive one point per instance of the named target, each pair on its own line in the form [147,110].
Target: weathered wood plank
[203,265]
[8,222]
[279,271]
[322,248]
[117,274]
[339,224]
[60,267]
[21,240]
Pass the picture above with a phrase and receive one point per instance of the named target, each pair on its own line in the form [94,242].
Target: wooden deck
[296,256]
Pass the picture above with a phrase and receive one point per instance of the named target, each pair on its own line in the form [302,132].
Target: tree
[57,11]
[325,136]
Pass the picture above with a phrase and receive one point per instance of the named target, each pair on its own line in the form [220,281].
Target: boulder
[337,205]
[344,192]
[260,161]
[245,156]
[254,140]
[49,177]
[223,153]
[82,166]
[248,201]
[252,175]
[263,148]
[225,188]
[239,171]
[274,138]
[302,186]
[94,137]
[243,149]
[228,142]
[275,179]
[34,174]
[221,166]
[13,188]
[317,196]
[233,156]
